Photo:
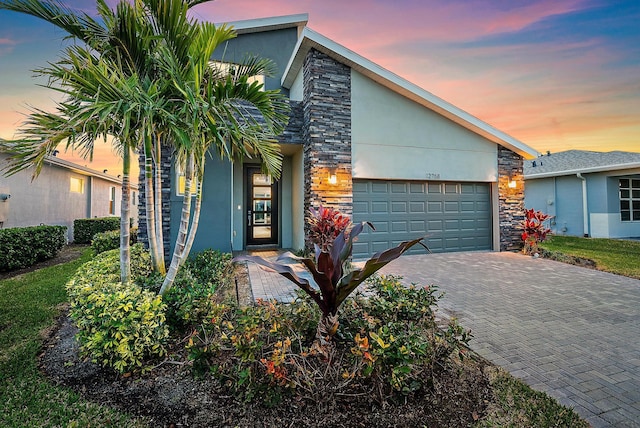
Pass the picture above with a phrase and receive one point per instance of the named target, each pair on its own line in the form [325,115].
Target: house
[365,141]
[62,193]
[594,194]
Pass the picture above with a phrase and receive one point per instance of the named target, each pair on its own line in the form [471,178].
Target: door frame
[249,170]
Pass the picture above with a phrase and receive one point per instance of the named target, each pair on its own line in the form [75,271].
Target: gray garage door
[452,216]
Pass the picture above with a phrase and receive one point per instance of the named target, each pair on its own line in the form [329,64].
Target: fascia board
[268,24]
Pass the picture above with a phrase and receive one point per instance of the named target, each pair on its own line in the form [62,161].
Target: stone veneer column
[143,237]
[511,200]
[327,133]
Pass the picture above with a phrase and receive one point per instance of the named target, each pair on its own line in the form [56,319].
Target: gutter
[585,205]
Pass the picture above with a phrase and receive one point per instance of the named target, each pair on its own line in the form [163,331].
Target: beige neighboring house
[63,192]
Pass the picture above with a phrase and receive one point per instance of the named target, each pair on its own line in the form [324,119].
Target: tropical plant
[146,79]
[327,266]
[533,230]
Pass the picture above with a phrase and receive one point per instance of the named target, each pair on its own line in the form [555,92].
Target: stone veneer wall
[327,133]
[143,237]
[511,201]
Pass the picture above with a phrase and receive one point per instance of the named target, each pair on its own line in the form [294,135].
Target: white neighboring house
[63,192]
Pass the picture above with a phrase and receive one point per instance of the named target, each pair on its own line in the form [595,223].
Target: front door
[262,203]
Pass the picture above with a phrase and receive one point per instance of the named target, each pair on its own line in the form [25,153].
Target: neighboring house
[62,193]
[367,142]
[589,193]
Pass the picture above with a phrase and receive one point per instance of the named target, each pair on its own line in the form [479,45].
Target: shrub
[120,326]
[24,246]
[533,230]
[85,228]
[191,301]
[390,344]
[104,241]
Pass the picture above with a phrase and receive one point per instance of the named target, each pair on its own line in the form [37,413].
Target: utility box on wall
[5,195]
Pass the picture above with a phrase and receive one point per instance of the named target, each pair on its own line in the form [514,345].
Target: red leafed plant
[534,230]
[332,234]
[325,224]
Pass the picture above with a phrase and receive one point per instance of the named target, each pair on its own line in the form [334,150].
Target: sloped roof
[309,39]
[579,161]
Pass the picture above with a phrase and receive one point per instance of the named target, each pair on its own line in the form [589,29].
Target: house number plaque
[432,176]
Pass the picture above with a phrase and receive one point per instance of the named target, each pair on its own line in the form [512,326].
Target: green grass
[517,405]
[611,255]
[28,304]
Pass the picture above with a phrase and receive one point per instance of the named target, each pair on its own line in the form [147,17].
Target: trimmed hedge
[25,246]
[110,240]
[84,229]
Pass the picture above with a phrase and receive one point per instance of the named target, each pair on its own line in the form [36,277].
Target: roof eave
[309,39]
[618,167]
[269,24]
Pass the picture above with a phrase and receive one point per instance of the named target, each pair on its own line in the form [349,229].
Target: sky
[554,74]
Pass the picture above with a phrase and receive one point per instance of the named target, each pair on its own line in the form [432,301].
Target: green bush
[110,240]
[25,246]
[85,228]
[120,326]
[191,301]
[388,346]
[211,267]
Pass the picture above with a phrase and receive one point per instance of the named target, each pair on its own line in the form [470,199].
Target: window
[76,185]
[182,182]
[227,67]
[629,199]
[112,200]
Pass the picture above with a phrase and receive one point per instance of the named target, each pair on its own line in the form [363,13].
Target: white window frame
[76,185]
[112,200]
[629,197]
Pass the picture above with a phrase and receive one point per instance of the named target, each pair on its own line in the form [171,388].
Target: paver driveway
[569,331]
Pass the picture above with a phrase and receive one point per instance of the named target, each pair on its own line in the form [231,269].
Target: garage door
[452,216]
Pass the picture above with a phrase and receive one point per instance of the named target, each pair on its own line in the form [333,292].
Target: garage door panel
[453,216]
[399,207]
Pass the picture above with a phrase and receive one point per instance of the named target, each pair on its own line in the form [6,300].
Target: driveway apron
[569,331]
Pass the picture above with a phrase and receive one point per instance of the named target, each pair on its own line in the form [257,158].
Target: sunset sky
[555,74]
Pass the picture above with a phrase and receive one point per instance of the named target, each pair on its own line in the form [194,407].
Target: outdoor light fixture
[512,183]
[332,177]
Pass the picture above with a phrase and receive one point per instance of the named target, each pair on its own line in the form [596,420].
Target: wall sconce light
[332,178]
[512,183]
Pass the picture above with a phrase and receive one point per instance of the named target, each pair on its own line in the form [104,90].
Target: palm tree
[150,83]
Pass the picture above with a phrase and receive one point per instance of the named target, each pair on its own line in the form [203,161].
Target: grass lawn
[611,255]
[28,304]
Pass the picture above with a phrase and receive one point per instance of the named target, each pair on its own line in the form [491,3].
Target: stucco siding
[214,230]
[275,45]
[395,138]
[560,197]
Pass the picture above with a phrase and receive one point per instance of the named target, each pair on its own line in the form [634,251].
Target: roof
[269,24]
[79,169]
[309,39]
[579,161]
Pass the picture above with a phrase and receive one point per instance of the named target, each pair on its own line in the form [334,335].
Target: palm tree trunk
[149,206]
[178,251]
[125,226]
[158,204]
[195,220]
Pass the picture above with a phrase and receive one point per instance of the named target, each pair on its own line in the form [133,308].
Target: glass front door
[262,210]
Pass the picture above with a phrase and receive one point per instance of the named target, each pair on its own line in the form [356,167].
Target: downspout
[585,205]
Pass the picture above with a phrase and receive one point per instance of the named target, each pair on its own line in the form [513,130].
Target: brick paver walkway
[569,331]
